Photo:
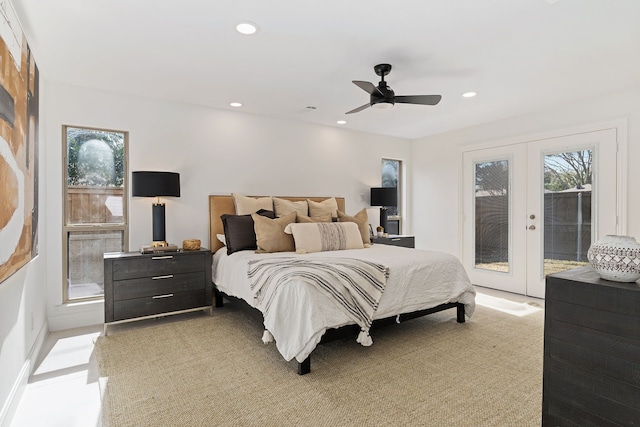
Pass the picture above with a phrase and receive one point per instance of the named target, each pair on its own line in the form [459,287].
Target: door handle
[532,227]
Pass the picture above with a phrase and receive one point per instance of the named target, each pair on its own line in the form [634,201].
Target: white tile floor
[64,392]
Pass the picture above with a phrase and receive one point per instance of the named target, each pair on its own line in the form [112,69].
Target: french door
[532,209]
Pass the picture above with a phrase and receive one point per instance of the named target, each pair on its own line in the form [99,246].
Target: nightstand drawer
[158,285]
[156,265]
[404,241]
[138,307]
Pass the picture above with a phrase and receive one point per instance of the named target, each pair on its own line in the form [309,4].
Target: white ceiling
[520,56]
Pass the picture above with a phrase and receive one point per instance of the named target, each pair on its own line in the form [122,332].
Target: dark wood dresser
[591,351]
[393,240]
[139,286]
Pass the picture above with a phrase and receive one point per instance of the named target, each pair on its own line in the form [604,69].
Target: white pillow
[283,207]
[248,205]
[222,239]
[325,236]
[324,207]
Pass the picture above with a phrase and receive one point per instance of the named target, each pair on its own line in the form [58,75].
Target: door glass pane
[492,215]
[567,210]
[86,262]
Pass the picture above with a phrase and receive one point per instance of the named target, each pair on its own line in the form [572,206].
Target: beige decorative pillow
[362,219]
[307,219]
[283,207]
[270,235]
[325,236]
[248,205]
[327,206]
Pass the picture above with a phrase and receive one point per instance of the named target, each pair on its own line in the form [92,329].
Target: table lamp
[384,197]
[156,184]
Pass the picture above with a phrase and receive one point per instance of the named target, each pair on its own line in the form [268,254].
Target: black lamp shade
[155,184]
[384,196]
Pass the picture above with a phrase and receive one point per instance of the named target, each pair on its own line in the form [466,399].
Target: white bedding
[301,314]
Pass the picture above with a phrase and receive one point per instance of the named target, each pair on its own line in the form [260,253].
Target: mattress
[300,314]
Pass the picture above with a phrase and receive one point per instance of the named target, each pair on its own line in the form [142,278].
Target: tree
[568,170]
[390,173]
[493,177]
[95,158]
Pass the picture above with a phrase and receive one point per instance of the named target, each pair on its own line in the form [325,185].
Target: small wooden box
[191,245]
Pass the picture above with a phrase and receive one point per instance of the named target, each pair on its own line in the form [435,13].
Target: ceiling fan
[382,96]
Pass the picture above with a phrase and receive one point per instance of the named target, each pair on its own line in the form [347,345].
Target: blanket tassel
[267,337]
[364,338]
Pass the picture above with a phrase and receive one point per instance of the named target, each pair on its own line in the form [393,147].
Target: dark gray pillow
[239,232]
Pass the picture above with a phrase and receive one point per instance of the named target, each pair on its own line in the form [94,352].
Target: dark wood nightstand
[404,241]
[140,286]
[591,348]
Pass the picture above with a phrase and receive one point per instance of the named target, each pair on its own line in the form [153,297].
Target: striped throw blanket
[355,285]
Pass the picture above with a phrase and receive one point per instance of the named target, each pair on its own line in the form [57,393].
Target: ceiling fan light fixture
[381,104]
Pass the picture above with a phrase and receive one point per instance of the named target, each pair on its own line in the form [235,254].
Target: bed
[300,316]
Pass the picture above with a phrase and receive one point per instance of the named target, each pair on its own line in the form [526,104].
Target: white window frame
[400,183]
[68,229]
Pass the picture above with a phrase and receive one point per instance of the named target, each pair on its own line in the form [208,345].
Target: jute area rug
[432,371]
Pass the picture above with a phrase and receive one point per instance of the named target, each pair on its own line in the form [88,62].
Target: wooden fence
[567,227]
[94,205]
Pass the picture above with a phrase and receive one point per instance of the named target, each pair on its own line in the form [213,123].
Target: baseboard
[77,315]
[11,405]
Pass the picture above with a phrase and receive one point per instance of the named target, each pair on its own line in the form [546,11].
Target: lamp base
[383,218]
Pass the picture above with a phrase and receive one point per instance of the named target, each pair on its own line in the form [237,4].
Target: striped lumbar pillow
[325,236]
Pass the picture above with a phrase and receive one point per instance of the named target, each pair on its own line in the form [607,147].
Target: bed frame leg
[304,367]
[217,298]
[460,310]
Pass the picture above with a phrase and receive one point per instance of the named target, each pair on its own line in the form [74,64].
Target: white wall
[436,162]
[23,313]
[215,152]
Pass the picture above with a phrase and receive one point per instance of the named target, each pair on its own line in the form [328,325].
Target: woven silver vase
[616,258]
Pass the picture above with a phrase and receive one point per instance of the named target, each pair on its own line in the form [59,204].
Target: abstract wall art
[18,147]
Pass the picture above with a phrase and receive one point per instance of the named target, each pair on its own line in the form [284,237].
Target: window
[392,177]
[95,208]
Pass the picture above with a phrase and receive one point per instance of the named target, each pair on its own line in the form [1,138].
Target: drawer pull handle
[162,257]
[396,239]
[168,276]
[163,296]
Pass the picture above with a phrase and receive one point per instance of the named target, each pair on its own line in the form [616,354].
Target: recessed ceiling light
[247,28]
[469,94]
[236,104]
[341,122]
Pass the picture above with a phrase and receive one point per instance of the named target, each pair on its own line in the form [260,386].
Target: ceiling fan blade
[419,99]
[360,108]
[366,86]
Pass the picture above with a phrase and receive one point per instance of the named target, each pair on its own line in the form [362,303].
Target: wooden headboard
[220,205]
